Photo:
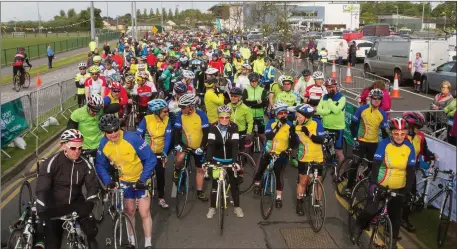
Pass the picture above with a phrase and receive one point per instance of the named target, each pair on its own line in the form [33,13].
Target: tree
[157,12]
[176,13]
[164,13]
[235,19]
[151,13]
[447,12]
[138,13]
[71,13]
[170,14]
[62,13]
[145,14]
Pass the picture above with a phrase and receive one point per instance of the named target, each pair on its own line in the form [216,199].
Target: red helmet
[116,85]
[331,82]
[21,49]
[414,118]
[398,124]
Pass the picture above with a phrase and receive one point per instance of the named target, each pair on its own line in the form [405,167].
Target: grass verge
[426,223]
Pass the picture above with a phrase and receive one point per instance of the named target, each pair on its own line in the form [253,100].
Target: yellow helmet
[94,69]
[97,58]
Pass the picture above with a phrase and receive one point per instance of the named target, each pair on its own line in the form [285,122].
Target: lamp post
[15,24]
[396,27]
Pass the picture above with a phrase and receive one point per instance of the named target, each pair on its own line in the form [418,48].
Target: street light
[396,27]
[15,23]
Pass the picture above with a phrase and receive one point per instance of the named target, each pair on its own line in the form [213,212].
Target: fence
[39,50]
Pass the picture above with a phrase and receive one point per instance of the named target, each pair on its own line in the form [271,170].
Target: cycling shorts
[131,193]
[304,166]
[339,138]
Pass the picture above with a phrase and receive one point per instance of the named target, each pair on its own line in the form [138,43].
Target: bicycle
[329,154]
[184,188]
[23,231]
[132,118]
[219,172]
[248,170]
[17,84]
[99,207]
[316,201]
[420,198]
[76,239]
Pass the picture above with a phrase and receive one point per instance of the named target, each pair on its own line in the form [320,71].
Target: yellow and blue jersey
[308,151]
[129,154]
[369,121]
[280,141]
[394,162]
[192,127]
[157,133]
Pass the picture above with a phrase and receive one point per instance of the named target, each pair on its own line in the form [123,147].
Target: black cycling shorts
[304,166]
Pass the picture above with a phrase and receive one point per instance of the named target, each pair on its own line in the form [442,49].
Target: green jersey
[88,126]
[242,116]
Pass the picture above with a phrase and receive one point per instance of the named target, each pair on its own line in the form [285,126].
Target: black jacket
[60,181]
[223,147]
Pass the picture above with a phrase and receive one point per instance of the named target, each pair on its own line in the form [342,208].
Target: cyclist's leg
[53,234]
[81,98]
[234,188]
[200,177]
[143,208]
[395,212]
[15,69]
[368,213]
[355,164]
[302,181]
[339,146]
[370,151]
[22,70]
[407,208]
[160,174]
[130,208]
[279,169]
[89,227]
[264,160]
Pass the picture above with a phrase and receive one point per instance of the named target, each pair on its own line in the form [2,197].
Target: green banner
[13,121]
[218,24]
[350,110]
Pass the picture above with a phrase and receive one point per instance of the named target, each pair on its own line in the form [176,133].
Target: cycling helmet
[129,78]
[267,59]
[306,110]
[236,91]
[284,78]
[211,71]
[21,49]
[172,59]
[97,58]
[94,69]
[199,53]
[306,72]
[224,109]
[156,105]
[414,118]
[186,100]
[116,85]
[71,135]
[82,64]
[160,56]
[253,76]
[331,82]
[398,124]
[246,66]
[376,93]
[141,67]
[261,52]
[180,88]
[279,106]
[109,122]
[115,77]
[237,55]
[188,74]
[318,75]
[95,101]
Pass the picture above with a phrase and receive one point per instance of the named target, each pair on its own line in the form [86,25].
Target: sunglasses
[94,110]
[94,74]
[224,118]
[79,148]
[286,83]
[115,90]
[254,81]
[111,132]
[399,133]
[283,113]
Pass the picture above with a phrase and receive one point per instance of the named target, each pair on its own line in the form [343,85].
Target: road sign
[154,30]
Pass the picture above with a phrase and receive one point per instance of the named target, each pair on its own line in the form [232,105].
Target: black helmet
[306,72]
[236,91]
[109,122]
[253,76]
[267,59]
[172,59]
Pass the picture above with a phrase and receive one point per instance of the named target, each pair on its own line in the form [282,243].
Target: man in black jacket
[59,192]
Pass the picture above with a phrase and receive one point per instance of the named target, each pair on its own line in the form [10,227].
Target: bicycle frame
[184,167]
[221,183]
[267,173]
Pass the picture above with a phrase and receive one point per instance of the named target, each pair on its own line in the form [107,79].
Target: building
[400,21]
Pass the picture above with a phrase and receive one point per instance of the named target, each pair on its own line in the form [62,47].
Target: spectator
[50,54]
[106,48]
[90,61]
[311,44]
[444,98]
[352,54]
[450,111]
[303,54]
[386,101]
[119,59]
[340,52]
[314,58]
[418,68]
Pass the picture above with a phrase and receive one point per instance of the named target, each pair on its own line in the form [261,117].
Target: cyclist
[241,78]
[238,63]
[18,64]
[268,74]
[365,125]
[109,69]
[214,97]
[279,133]
[314,93]
[258,65]
[242,116]
[167,75]
[285,95]
[331,110]
[245,52]
[416,121]
[94,84]
[228,68]
[142,69]
[156,130]
[191,131]
[116,100]
[79,81]
[85,119]
[179,89]
[223,141]
[216,63]
[59,191]
[97,61]
[394,167]
[310,133]
[255,97]
[134,160]
[303,82]
[188,78]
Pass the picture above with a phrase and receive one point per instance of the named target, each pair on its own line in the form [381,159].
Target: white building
[328,15]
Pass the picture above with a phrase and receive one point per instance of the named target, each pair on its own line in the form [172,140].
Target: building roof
[171,23]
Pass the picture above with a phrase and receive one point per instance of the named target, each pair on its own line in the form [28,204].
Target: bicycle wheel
[445,219]
[183,189]
[340,180]
[268,192]
[357,203]
[16,239]
[99,208]
[123,230]
[221,208]
[26,80]
[249,169]
[381,232]
[317,208]
[25,196]
[17,83]
[418,199]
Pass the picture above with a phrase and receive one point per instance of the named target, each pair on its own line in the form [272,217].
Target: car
[363,46]
[432,80]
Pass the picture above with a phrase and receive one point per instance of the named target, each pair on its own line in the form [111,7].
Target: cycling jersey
[157,133]
[275,89]
[314,94]
[237,64]
[369,121]
[420,145]
[287,97]
[217,64]
[394,161]
[133,68]
[109,72]
[280,141]
[144,93]
[19,59]
[331,110]
[95,86]
[242,117]
[308,151]
[251,96]
[268,75]
[223,144]
[192,128]
[212,101]
[129,154]
[301,86]
[259,66]
[88,126]
[245,53]
[79,81]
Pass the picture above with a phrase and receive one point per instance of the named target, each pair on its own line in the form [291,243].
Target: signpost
[13,121]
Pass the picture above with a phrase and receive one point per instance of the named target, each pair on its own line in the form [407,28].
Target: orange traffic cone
[396,90]
[348,74]
[333,76]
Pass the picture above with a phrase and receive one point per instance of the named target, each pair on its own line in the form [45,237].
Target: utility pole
[136,22]
[423,11]
[92,21]
[161,15]
[396,27]
[39,17]
[131,18]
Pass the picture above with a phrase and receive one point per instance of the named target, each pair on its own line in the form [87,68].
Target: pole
[39,17]
[117,23]
[136,22]
[92,21]
[423,10]
[161,15]
[396,26]
[131,19]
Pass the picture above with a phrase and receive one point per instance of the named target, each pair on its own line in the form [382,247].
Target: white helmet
[82,64]
[188,74]
[279,106]
[71,135]
[186,100]
[95,101]
[141,66]
[211,70]
[318,75]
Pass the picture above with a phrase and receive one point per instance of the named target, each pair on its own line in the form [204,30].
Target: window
[446,67]
[365,45]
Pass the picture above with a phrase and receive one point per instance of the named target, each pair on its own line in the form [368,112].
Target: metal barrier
[436,122]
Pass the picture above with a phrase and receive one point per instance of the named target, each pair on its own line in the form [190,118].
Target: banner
[218,25]
[350,110]
[13,121]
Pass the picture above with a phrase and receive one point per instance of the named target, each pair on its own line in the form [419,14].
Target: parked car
[363,46]
[432,80]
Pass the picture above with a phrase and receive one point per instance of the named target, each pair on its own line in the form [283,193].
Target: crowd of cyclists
[204,93]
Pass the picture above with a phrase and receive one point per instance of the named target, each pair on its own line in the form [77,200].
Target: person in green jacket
[165,77]
[241,116]
[331,110]
[450,109]
[255,97]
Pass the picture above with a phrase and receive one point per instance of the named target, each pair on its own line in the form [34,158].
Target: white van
[331,45]
[391,55]
[363,46]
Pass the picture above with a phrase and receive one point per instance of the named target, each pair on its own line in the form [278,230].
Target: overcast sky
[28,10]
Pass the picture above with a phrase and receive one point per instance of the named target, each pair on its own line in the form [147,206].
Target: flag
[38,80]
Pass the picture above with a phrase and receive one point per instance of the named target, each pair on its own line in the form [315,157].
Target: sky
[22,11]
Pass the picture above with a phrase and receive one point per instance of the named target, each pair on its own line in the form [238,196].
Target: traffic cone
[333,76]
[396,90]
[348,74]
